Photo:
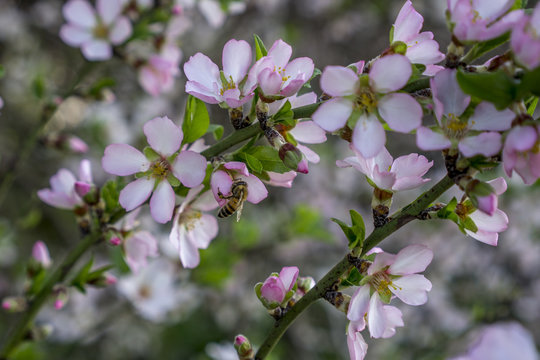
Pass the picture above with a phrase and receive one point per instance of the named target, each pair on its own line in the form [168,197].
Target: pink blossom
[525,40]
[192,229]
[521,153]
[370,98]
[282,180]
[403,173]
[157,75]
[458,131]
[481,20]
[77,145]
[277,77]
[62,193]
[421,48]
[139,246]
[95,32]
[207,83]
[391,274]
[222,181]
[164,138]
[275,288]
[490,221]
[40,253]
[305,131]
[355,342]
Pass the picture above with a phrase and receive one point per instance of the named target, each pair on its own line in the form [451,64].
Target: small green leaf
[196,120]
[173,180]
[260,49]
[216,130]
[353,279]
[358,227]
[252,162]
[531,82]
[99,85]
[532,106]
[110,194]
[348,231]
[38,87]
[285,115]
[391,35]
[306,88]
[449,209]
[469,224]
[484,47]
[269,158]
[496,87]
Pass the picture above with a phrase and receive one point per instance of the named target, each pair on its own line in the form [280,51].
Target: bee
[239,193]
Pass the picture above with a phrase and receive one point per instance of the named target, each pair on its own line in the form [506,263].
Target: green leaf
[110,194]
[306,88]
[99,85]
[469,224]
[347,230]
[269,158]
[216,130]
[38,87]
[358,227]
[2,71]
[285,115]
[81,278]
[252,162]
[260,49]
[447,211]
[496,87]
[484,47]
[353,279]
[196,120]
[391,35]
[531,82]
[532,106]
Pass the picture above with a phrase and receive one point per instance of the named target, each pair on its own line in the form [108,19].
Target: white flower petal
[410,260]
[333,114]
[390,73]
[411,289]
[162,202]
[123,160]
[136,192]
[163,135]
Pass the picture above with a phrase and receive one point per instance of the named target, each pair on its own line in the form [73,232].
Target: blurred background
[196,313]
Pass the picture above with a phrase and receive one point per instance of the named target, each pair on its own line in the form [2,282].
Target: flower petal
[256,190]
[201,69]
[109,10]
[390,73]
[359,304]
[338,81]
[120,31]
[236,59]
[123,160]
[163,135]
[376,317]
[410,260]
[189,254]
[487,144]
[401,112]
[280,53]
[310,155]
[75,35]
[96,50]
[288,276]
[80,12]
[487,117]
[368,136]
[221,181]
[204,231]
[308,132]
[136,192]
[411,289]
[162,202]
[333,114]
[190,168]
[427,139]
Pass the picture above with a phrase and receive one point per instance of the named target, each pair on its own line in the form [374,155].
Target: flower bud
[277,289]
[115,241]
[243,347]
[40,253]
[77,145]
[487,204]
[82,188]
[14,304]
[291,157]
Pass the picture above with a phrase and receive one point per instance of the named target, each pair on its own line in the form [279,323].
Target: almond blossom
[521,153]
[226,87]
[391,274]
[481,20]
[276,288]
[305,131]
[62,193]
[95,32]
[40,254]
[282,180]
[476,135]
[359,100]
[192,229]
[157,75]
[276,76]
[355,342]
[403,173]
[421,48]
[222,181]
[160,167]
[525,40]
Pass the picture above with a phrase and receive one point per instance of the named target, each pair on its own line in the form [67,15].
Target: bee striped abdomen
[236,199]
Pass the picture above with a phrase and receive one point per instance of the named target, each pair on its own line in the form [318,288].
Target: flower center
[160,169]
[454,127]
[365,100]
[381,282]
[145,292]
[101,31]
[189,219]
[227,85]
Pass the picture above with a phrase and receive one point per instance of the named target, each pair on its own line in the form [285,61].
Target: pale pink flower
[62,193]
[490,224]
[138,247]
[458,132]
[403,173]
[192,229]
[369,100]
[391,274]
[421,48]
[501,341]
[305,131]
[207,83]
[95,32]
[164,138]
[481,20]
[222,181]
[521,153]
[355,342]
[282,180]
[40,253]
[157,75]
[275,288]
[276,76]
[525,40]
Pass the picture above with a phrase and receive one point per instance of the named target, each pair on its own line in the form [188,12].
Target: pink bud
[177,10]
[76,145]
[82,188]
[487,204]
[110,279]
[239,340]
[59,304]
[303,166]
[272,290]
[115,241]
[40,253]
[6,305]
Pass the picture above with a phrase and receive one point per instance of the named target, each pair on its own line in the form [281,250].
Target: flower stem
[407,214]
[17,333]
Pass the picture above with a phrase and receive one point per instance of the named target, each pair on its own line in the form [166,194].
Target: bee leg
[221,196]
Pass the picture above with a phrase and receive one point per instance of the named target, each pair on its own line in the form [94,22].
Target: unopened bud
[61,297]
[487,204]
[76,145]
[115,241]
[88,192]
[291,156]
[177,10]
[399,47]
[14,304]
[82,188]
[243,347]
[40,254]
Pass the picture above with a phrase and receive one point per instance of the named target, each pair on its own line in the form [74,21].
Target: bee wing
[239,211]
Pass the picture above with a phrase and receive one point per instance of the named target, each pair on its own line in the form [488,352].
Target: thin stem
[17,334]
[404,216]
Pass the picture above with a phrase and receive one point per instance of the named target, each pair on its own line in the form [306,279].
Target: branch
[17,333]
[407,214]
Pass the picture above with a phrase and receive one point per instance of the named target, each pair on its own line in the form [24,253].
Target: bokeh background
[473,284]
